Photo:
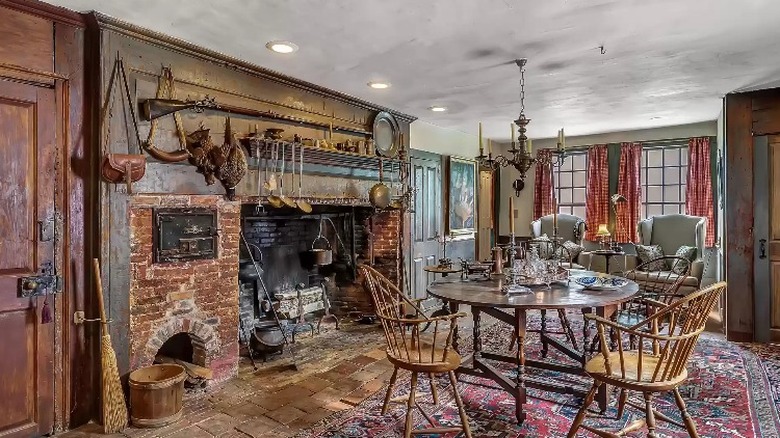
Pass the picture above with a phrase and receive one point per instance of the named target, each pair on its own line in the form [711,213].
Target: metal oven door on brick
[183,234]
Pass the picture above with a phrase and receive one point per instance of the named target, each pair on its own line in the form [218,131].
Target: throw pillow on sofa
[573,249]
[686,252]
[649,253]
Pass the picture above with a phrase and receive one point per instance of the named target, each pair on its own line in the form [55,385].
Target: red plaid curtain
[597,204]
[630,187]
[544,200]
[698,195]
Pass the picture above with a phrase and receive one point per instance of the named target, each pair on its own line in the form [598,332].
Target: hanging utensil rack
[326,161]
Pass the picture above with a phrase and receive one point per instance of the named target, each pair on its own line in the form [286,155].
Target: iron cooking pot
[321,256]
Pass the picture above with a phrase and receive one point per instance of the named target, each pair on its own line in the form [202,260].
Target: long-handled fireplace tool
[245,338]
[268,297]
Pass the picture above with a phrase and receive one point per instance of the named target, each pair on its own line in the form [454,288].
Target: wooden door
[27,178]
[485,219]
[426,220]
[770,246]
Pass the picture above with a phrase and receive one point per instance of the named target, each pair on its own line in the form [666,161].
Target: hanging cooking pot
[379,195]
[321,256]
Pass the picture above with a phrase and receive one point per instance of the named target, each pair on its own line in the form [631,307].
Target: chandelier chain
[522,89]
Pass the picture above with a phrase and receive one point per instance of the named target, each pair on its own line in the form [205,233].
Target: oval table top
[488,293]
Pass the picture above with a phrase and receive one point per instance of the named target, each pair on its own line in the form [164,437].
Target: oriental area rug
[732,392]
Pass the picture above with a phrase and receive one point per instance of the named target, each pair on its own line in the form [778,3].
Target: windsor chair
[409,348]
[657,365]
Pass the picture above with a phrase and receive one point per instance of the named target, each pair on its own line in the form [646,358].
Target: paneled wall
[199,73]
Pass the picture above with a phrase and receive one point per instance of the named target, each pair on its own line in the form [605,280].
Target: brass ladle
[274,200]
[285,199]
[302,204]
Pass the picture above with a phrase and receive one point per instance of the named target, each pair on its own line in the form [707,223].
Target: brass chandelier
[520,151]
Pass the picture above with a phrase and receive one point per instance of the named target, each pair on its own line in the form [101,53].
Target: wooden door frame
[74,182]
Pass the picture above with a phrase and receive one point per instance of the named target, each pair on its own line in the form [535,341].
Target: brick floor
[336,371]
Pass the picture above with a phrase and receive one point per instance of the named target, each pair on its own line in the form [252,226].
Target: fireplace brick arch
[205,340]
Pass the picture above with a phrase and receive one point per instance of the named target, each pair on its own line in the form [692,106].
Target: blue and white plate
[595,282]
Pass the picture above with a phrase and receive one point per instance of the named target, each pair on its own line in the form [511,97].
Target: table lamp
[603,234]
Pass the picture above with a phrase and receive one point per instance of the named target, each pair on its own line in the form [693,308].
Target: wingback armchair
[570,228]
[672,231]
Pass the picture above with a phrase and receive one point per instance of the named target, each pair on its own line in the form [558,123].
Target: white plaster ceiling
[667,62]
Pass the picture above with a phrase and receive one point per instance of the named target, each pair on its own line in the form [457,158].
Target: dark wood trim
[187,48]
[738,244]
[56,14]
[739,336]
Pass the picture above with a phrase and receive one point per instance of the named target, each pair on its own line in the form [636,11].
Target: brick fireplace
[201,301]
[198,298]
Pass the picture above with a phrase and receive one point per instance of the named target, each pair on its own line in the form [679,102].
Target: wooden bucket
[156,395]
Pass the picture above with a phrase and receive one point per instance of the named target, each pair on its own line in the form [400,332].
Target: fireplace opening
[281,241]
[189,351]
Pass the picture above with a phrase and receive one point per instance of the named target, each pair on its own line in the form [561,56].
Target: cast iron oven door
[183,234]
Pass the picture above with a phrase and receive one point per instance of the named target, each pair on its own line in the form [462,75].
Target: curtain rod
[661,142]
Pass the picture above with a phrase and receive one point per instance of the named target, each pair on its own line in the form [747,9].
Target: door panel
[771,232]
[485,207]
[27,177]
[427,222]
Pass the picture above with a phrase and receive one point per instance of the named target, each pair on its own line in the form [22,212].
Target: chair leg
[543,332]
[410,407]
[575,425]
[434,390]
[464,419]
[689,424]
[621,407]
[649,414]
[390,390]
[567,328]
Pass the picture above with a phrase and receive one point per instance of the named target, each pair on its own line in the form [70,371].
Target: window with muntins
[570,184]
[663,175]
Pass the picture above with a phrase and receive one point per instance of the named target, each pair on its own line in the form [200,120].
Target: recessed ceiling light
[438,109]
[281,46]
[379,85]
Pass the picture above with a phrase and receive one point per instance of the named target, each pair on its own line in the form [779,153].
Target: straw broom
[114,409]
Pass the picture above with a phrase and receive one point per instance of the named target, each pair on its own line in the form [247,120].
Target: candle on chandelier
[512,131]
[511,215]
[490,147]
[330,126]
[563,140]
[528,144]
[481,150]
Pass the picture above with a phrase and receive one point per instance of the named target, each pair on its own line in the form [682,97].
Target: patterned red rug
[731,392]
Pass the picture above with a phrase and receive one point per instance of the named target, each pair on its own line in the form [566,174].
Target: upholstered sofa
[570,228]
[671,232]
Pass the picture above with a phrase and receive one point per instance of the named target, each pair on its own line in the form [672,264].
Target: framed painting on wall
[461,199]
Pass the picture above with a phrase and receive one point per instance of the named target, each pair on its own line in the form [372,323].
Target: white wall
[431,138]
[525,202]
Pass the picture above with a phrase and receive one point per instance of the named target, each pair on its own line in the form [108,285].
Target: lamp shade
[602,231]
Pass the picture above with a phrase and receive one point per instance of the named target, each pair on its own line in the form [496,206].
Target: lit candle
[511,215]
[512,131]
[481,151]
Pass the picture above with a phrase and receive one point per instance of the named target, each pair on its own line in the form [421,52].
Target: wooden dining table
[486,297]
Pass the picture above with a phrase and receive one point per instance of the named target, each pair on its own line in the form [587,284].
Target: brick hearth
[195,297]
